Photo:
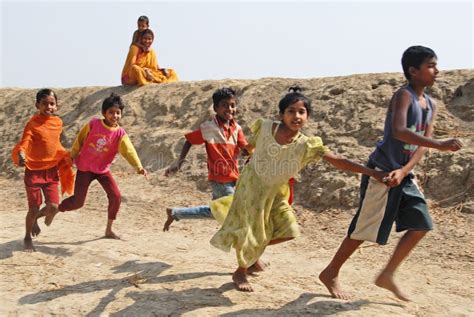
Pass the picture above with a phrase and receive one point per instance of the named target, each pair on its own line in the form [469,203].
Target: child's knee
[417,234]
[52,206]
[115,198]
[33,210]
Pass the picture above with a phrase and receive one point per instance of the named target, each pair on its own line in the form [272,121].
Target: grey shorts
[381,206]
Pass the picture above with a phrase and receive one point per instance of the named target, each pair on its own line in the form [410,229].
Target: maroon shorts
[44,180]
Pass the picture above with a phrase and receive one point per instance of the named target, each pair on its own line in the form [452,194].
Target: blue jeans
[222,189]
[198,212]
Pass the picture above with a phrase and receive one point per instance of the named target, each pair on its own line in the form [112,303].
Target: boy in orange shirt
[46,163]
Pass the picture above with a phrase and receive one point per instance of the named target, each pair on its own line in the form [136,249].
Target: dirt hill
[349,114]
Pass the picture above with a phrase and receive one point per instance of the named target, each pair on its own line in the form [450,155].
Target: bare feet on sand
[48,219]
[29,245]
[330,279]
[240,280]
[36,230]
[169,220]
[258,266]
[385,280]
[109,234]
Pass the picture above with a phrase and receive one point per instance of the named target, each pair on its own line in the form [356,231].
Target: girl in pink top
[93,151]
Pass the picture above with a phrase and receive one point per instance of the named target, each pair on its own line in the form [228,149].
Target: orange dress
[43,150]
[137,61]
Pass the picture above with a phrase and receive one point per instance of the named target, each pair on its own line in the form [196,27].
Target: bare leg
[169,220]
[330,275]
[108,231]
[29,223]
[51,211]
[404,247]
[276,241]
[240,280]
[258,266]
[36,230]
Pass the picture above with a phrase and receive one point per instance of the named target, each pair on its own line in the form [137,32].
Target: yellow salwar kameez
[259,210]
[137,61]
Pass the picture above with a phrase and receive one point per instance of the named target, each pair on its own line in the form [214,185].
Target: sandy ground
[151,273]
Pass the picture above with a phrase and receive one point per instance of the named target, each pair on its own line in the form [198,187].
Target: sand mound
[349,114]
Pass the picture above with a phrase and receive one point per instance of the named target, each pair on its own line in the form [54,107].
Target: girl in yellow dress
[141,66]
[259,213]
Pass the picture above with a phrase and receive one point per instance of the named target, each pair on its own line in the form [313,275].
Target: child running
[260,214]
[46,163]
[93,151]
[223,138]
[407,135]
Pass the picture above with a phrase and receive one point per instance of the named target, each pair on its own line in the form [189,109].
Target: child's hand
[143,172]
[148,74]
[245,153]
[21,159]
[380,176]
[173,168]
[395,178]
[164,71]
[450,145]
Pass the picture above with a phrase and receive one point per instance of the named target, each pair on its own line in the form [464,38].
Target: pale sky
[84,43]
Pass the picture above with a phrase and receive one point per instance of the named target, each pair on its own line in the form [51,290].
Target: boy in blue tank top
[407,135]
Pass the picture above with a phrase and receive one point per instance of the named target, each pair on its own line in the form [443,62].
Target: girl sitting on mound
[141,66]
[260,214]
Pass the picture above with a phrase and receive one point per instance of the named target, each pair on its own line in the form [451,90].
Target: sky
[85,43]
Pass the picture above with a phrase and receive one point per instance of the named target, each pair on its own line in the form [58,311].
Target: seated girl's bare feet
[48,219]
[29,245]
[330,279]
[36,230]
[109,234]
[240,280]
[169,220]
[258,266]
[385,280]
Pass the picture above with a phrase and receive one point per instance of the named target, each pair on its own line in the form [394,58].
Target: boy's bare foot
[258,266]
[169,220]
[385,280]
[111,235]
[29,245]
[48,219]
[330,279]
[240,280]
[36,230]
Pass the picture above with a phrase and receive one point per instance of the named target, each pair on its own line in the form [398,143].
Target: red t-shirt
[222,146]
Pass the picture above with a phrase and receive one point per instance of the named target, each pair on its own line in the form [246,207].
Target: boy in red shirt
[223,138]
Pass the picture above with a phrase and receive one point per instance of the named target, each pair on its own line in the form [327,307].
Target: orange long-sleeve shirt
[43,150]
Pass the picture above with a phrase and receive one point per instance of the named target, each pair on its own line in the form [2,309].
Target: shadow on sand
[142,274]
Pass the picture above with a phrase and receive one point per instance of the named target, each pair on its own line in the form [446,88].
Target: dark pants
[83,180]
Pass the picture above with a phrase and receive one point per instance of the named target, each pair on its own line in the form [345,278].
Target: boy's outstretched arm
[399,108]
[173,168]
[345,164]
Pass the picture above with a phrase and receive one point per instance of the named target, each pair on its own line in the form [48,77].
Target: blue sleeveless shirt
[390,153]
